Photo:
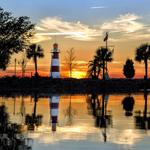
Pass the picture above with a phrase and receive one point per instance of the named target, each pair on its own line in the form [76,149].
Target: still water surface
[107,122]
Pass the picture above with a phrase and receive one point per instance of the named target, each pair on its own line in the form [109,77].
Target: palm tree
[143,54]
[103,55]
[35,51]
[34,119]
[92,69]
[142,120]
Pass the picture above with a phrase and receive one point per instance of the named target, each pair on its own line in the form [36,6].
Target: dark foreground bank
[10,85]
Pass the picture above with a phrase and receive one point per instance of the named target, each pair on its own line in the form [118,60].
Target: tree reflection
[142,120]
[69,113]
[14,109]
[33,120]
[22,109]
[128,104]
[11,137]
[98,108]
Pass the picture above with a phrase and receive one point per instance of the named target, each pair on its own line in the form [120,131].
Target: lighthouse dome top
[55,46]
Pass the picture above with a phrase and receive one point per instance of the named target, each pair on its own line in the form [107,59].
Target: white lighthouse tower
[55,66]
[54,106]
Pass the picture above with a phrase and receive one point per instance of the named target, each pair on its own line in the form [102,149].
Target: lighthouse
[54,106]
[55,66]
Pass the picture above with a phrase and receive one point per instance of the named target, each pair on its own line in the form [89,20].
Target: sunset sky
[82,24]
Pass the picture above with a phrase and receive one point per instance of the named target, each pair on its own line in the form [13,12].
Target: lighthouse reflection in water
[54,106]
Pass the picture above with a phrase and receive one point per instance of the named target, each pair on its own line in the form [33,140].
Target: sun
[78,74]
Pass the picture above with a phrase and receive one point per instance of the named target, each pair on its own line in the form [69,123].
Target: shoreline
[45,85]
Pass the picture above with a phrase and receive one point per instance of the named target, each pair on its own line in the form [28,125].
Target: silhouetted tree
[14,35]
[11,137]
[15,67]
[69,113]
[142,120]
[128,69]
[128,104]
[35,51]
[4,119]
[98,108]
[94,69]
[23,64]
[143,54]
[103,55]
[70,60]
[34,119]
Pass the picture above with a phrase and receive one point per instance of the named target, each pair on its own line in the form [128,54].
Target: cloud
[75,30]
[116,62]
[58,33]
[98,7]
[124,23]
[39,38]
[126,26]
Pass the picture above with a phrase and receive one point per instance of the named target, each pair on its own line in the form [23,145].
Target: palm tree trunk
[34,112]
[103,69]
[98,73]
[103,105]
[35,63]
[103,121]
[35,106]
[95,70]
[145,106]
[146,68]
[106,66]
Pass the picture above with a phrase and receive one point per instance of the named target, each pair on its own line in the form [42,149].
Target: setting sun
[78,74]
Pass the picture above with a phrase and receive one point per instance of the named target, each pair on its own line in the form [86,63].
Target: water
[84,121]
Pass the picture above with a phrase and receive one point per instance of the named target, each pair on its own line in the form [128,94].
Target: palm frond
[35,51]
[142,52]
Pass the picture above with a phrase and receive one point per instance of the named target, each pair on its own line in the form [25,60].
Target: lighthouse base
[55,75]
